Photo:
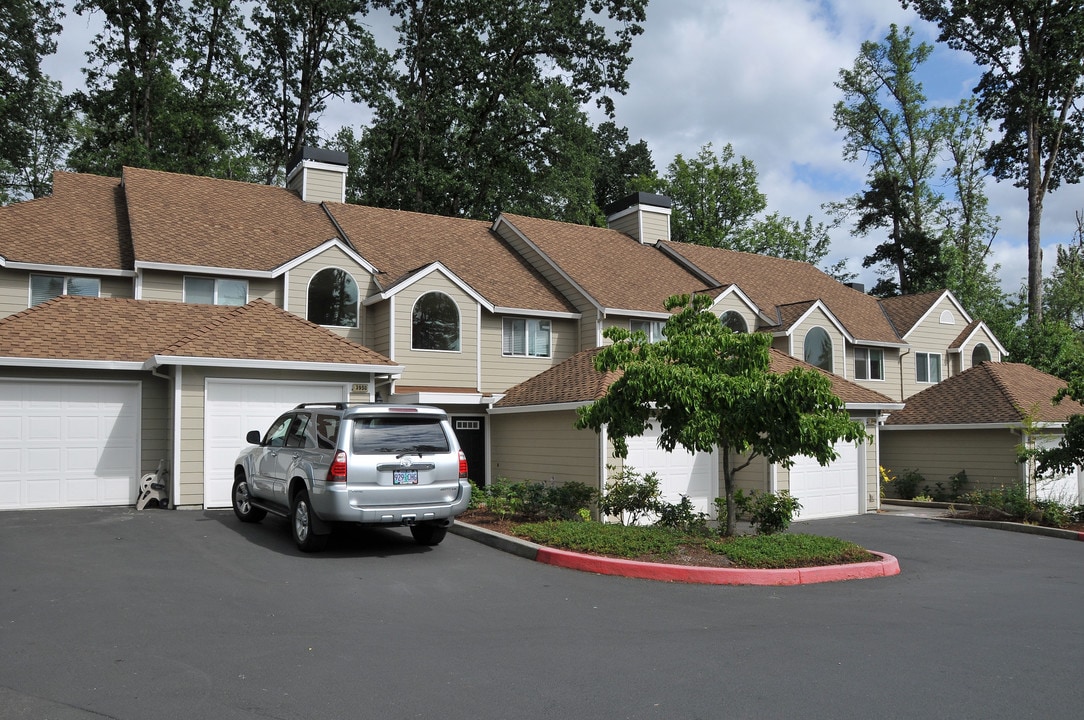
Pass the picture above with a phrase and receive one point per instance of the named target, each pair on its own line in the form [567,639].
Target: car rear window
[397,434]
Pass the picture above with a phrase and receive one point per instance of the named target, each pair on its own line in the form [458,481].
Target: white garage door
[68,444]
[1067,488]
[680,472]
[830,491]
[233,407]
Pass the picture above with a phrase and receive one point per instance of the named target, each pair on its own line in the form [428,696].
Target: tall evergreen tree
[887,122]
[1033,84]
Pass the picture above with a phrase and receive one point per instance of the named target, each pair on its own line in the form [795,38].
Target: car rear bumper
[345,509]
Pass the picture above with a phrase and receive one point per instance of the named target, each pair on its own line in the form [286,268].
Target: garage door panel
[68,443]
[827,491]
[680,472]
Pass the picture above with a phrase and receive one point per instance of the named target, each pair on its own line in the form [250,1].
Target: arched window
[435,323]
[333,298]
[734,321]
[979,355]
[818,349]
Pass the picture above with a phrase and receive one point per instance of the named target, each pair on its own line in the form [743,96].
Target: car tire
[242,501]
[301,524]
[425,534]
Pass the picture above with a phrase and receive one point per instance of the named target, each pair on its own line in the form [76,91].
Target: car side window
[298,437]
[327,431]
[276,436]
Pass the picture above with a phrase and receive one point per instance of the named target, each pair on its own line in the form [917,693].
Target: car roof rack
[336,405]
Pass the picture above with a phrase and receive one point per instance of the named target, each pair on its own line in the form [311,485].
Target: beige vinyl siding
[437,368]
[590,332]
[320,185]
[987,456]
[334,257]
[732,303]
[378,327]
[655,226]
[544,447]
[930,336]
[500,373]
[169,287]
[756,476]
[890,385]
[819,319]
[192,413]
[964,357]
[15,289]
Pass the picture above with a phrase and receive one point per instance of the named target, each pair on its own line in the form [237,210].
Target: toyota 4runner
[326,463]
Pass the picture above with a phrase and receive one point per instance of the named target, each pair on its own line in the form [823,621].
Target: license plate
[404,477]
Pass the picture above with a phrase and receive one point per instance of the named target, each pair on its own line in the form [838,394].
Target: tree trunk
[1035,216]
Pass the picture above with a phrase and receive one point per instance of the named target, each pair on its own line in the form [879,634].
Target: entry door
[471,433]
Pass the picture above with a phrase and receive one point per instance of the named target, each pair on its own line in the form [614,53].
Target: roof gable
[991,393]
[907,312]
[774,283]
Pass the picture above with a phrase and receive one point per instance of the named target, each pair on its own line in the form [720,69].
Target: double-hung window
[47,287]
[526,337]
[928,367]
[215,291]
[652,328]
[869,364]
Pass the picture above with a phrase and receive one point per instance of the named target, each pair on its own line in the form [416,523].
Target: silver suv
[327,463]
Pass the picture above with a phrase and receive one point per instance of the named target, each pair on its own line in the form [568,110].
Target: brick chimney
[318,175]
[645,217]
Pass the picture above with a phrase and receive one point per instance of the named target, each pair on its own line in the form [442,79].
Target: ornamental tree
[708,387]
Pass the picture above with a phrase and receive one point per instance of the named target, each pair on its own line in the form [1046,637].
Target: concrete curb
[885,567]
[1018,527]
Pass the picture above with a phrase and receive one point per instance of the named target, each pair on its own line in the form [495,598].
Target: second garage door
[233,407]
[830,491]
[680,472]
[68,444]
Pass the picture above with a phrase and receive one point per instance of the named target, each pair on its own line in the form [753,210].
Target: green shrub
[569,500]
[680,516]
[1007,500]
[908,484]
[532,499]
[631,495]
[788,551]
[627,541]
[768,513]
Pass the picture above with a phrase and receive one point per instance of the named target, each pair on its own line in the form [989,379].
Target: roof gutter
[194,361]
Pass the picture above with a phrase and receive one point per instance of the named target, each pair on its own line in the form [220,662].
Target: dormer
[645,217]
[318,175]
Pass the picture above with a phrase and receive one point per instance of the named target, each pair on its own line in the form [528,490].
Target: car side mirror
[253,437]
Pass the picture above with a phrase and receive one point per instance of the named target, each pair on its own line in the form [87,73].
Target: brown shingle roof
[616,270]
[773,282]
[82,224]
[991,393]
[577,381]
[197,221]
[125,330]
[399,243]
[906,310]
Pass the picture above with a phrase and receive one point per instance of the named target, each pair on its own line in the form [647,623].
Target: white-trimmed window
[434,323]
[652,328]
[47,287]
[215,291]
[333,299]
[526,337]
[869,364]
[980,354]
[928,367]
[734,321]
[818,349]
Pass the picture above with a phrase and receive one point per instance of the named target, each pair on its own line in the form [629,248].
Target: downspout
[174,468]
[903,353]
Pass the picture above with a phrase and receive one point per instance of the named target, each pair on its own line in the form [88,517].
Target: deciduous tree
[707,387]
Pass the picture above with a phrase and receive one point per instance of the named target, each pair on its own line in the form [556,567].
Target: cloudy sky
[759,74]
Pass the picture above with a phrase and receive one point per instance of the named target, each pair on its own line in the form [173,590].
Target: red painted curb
[886,566]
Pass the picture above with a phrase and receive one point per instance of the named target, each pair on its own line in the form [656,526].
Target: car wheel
[242,502]
[428,534]
[301,520]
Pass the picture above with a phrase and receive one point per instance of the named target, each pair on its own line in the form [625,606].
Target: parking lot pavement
[183,614]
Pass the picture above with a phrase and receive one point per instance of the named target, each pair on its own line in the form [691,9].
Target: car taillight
[337,471]
[462,466]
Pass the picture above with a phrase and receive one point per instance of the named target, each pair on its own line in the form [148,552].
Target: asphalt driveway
[188,614]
